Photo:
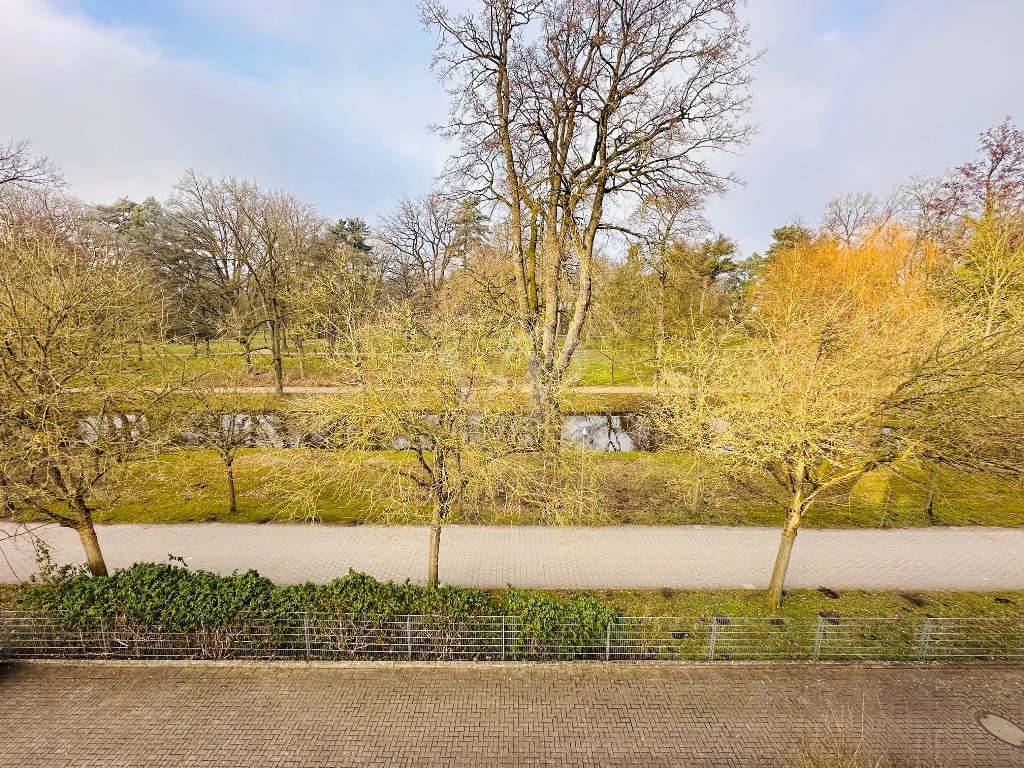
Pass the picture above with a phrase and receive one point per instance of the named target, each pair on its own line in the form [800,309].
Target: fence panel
[493,638]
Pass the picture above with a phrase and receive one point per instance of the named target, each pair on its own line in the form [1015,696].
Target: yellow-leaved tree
[844,363]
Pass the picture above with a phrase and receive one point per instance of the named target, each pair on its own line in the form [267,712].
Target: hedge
[171,598]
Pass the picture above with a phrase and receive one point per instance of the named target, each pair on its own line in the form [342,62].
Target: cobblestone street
[176,714]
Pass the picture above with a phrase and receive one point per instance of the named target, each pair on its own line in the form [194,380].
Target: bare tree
[418,242]
[432,387]
[284,231]
[335,297]
[18,166]
[205,256]
[987,280]
[846,366]
[664,221]
[855,216]
[74,407]
[243,248]
[564,110]
[208,417]
[993,183]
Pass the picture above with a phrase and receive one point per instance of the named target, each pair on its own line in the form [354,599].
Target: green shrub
[545,619]
[171,598]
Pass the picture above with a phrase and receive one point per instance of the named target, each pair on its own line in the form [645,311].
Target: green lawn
[809,604]
[630,488]
[224,362]
[612,367]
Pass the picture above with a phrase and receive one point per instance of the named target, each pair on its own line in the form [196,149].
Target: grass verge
[809,603]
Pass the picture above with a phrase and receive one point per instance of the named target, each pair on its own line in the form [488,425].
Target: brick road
[106,714]
[612,557]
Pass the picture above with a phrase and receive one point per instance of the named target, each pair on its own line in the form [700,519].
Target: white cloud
[851,96]
[123,117]
[864,108]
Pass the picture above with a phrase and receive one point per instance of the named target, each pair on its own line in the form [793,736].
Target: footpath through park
[623,557]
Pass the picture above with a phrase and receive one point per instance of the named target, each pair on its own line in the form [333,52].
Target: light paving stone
[134,715]
[552,557]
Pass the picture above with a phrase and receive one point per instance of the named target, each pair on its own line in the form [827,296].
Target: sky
[333,100]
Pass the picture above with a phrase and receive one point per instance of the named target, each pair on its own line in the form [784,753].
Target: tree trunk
[91,545]
[232,505]
[929,507]
[276,328]
[544,385]
[659,343]
[300,346]
[703,298]
[789,532]
[435,547]
[247,351]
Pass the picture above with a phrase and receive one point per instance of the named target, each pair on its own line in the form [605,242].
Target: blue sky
[332,100]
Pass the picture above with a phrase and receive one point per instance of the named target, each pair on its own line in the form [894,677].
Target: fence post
[504,655]
[107,650]
[408,634]
[305,632]
[608,643]
[925,639]
[713,638]
[818,638]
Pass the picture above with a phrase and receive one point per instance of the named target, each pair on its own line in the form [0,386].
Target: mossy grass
[810,603]
[294,485]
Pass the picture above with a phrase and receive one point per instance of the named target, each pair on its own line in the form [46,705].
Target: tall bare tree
[420,244]
[285,231]
[337,294]
[857,215]
[564,111]
[664,221]
[242,248]
[205,258]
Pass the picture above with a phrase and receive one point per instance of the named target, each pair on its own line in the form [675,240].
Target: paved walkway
[571,558]
[104,714]
[341,390]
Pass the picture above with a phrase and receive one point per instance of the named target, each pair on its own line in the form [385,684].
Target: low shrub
[169,598]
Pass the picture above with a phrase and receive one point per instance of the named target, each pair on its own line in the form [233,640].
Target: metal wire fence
[721,638]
